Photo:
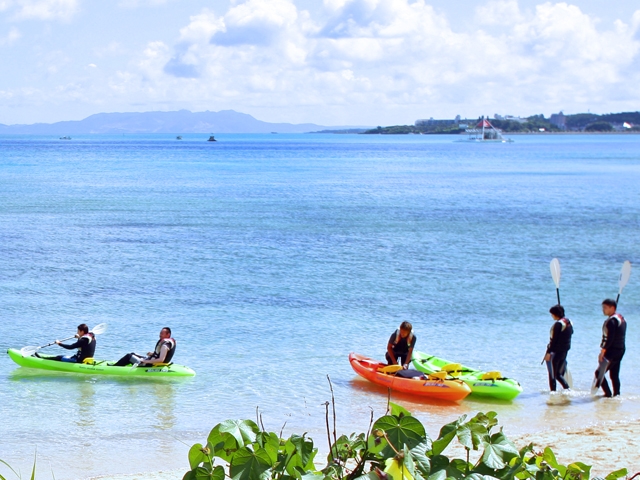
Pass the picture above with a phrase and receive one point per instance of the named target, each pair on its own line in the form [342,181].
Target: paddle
[555,274]
[30,350]
[625,273]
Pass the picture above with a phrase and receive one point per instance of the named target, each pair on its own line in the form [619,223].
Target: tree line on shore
[580,122]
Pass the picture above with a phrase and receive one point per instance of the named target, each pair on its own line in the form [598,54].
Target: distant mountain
[182,121]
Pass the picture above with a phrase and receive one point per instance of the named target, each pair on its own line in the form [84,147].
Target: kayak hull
[450,390]
[100,367]
[503,388]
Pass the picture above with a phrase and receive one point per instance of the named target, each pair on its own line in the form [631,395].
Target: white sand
[606,447]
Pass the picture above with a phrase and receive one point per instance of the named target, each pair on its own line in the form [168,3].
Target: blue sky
[333,62]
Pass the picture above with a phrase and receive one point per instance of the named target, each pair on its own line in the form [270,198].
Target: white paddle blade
[28,351]
[555,271]
[625,273]
[99,329]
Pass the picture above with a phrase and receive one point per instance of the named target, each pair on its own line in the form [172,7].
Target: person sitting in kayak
[163,353]
[86,346]
[559,346]
[400,346]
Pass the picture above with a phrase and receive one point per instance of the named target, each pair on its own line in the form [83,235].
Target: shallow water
[274,256]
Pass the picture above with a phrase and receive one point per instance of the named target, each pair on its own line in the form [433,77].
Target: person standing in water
[612,347]
[559,346]
[400,345]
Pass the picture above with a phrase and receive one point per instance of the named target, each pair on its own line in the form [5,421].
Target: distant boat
[179,137]
[65,138]
[485,132]
[212,139]
[274,132]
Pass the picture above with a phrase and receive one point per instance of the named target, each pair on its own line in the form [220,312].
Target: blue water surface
[273,256]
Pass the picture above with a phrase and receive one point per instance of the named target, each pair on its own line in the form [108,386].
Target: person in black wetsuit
[86,346]
[612,346]
[559,346]
[400,346]
[163,353]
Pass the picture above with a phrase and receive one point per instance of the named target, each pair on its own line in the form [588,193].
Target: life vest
[561,341]
[409,339]
[171,344]
[618,342]
[87,350]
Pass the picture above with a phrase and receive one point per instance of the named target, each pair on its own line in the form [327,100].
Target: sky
[331,62]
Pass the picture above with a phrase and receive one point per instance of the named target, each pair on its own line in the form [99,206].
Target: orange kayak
[431,386]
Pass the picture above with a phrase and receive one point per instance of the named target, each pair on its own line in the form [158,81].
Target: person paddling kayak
[86,346]
[163,353]
[400,345]
[612,347]
[559,346]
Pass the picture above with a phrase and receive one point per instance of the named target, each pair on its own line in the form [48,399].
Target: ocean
[272,257]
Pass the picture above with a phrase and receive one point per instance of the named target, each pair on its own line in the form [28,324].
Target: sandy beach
[606,447]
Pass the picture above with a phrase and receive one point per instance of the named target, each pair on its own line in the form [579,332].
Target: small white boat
[65,138]
[485,132]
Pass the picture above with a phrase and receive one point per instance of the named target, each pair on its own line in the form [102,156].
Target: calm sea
[273,256]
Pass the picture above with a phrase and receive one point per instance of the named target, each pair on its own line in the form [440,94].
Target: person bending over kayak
[612,347]
[559,346]
[86,346]
[163,353]
[400,346]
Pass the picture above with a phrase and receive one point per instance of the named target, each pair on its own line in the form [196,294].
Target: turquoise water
[273,256]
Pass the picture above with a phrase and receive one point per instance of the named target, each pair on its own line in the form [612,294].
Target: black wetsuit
[559,346]
[401,347]
[86,346]
[614,331]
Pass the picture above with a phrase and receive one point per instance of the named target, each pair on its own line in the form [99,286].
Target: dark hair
[406,326]
[557,310]
[167,329]
[83,328]
[609,302]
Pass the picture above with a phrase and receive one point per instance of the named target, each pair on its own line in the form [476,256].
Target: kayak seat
[390,369]
[453,369]
[89,361]
[491,376]
[437,375]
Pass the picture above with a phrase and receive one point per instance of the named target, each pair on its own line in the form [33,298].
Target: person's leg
[605,384]
[552,375]
[124,361]
[70,359]
[560,368]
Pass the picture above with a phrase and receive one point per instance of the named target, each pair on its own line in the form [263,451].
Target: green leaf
[398,410]
[270,442]
[579,469]
[447,434]
[617,474]
[400,431]
[420,458]
[196,456]
[249,465]
[439,475]
[244,431]
[498,450]
[202,473]
[300,455]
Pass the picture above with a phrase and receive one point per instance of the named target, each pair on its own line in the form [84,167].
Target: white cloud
[10,37]
[42,9]
[356,57]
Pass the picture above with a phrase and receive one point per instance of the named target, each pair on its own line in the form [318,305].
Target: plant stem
[333,403]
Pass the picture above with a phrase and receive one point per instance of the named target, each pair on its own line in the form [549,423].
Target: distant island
[558,122]
[177,122]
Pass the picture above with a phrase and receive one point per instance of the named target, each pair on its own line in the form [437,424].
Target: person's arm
[79,344]
[161,356]
[555,334]
[392,356]
[607,340]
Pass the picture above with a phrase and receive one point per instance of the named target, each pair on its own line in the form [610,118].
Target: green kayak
[487,384]
[99,367]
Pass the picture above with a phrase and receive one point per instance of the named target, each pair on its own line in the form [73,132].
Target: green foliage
[599,127]
[396,448]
